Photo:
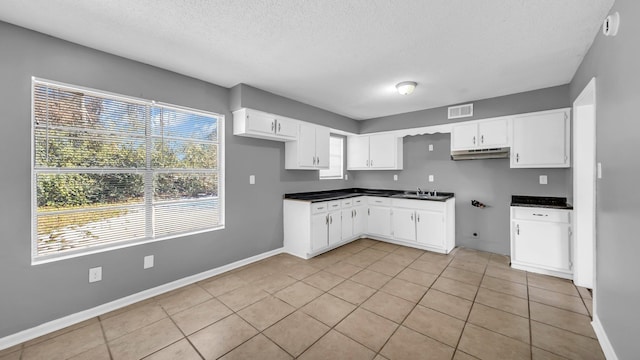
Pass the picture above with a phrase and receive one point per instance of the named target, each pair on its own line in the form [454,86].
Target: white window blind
[336,168]
[111,170]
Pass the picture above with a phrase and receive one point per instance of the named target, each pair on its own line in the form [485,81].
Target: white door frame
[584,186]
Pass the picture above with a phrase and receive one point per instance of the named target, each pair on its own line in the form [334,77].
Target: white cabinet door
[335,227]
[464,136]
[541,140]
[319,231]
[493,133]
[357,152]
[259,122]
[307,145]
[382,151]
[360,220]
[430,227]
[542,244]
[404,225]
[348,215]
[287,128]
[379,221]
[322,147]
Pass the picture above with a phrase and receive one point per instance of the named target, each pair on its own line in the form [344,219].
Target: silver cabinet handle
[482,139]
[273,125]
[517,157]
[279,126]
[518,229]
[418,217]
[321,207]
[355,212]
[371,162]
[368,211]
[411,217]
[474,140]
[326,220]
[330,219]
[540,214]
[367,163]
[318,157]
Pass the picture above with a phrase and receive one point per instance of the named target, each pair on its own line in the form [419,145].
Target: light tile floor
[364,300]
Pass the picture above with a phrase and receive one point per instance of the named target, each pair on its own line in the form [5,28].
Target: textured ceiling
[344,56]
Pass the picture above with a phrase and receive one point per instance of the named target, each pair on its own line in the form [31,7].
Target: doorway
[584,186]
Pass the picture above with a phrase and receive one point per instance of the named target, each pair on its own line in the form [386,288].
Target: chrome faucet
[418,192]
[434,193]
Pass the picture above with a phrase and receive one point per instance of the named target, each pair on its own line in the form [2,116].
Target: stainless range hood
[478,154]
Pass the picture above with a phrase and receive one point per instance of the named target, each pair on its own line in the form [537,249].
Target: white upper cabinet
[311,149]
[374,152]
[541,140]
[261,125]
[483,134]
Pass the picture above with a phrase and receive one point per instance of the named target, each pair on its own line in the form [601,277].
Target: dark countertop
[541,202]
[328,195]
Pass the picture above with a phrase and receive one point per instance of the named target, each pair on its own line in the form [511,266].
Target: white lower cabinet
[404,224]
[313,228]
[541,241]
[427,224]
[379,217]
[431,228]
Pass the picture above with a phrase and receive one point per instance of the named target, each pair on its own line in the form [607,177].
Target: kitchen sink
[422,196]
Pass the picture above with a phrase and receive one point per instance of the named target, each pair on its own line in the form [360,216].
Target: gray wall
[530,101]
[32,295]
[491,182]
[614,63]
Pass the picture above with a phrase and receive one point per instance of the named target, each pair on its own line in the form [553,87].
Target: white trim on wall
[63,322]
[605,344]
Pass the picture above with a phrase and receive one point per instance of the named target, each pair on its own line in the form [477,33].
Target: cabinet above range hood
[478,154]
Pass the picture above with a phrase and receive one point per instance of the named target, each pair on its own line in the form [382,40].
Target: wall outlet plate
[252,179]
[95,274]
[148,261]
[430,147]
[543,179]
[431,178]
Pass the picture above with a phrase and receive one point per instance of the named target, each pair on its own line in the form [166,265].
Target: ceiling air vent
[460,111]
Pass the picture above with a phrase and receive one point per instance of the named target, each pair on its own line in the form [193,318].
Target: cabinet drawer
[540,214]
[379,201]
[334,205]
[346,203]
[319,207]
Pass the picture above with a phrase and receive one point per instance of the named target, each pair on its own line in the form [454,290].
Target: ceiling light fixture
[406,87]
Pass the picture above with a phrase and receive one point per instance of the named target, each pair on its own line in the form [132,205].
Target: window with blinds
[110,170]
[336,156]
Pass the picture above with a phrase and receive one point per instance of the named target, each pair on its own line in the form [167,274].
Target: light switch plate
[430,178]
[543,179]
[148,261]
[395,177]
[252,179]
[95,274]
[346,176]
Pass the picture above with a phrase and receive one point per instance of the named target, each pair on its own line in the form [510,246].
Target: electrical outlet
[395,177]
[252,179]
[431,178]
[430,147]
[346,176]
[148,261]
[95,274]
[543,179]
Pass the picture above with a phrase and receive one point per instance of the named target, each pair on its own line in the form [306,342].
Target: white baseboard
[607,348]
[72,319]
